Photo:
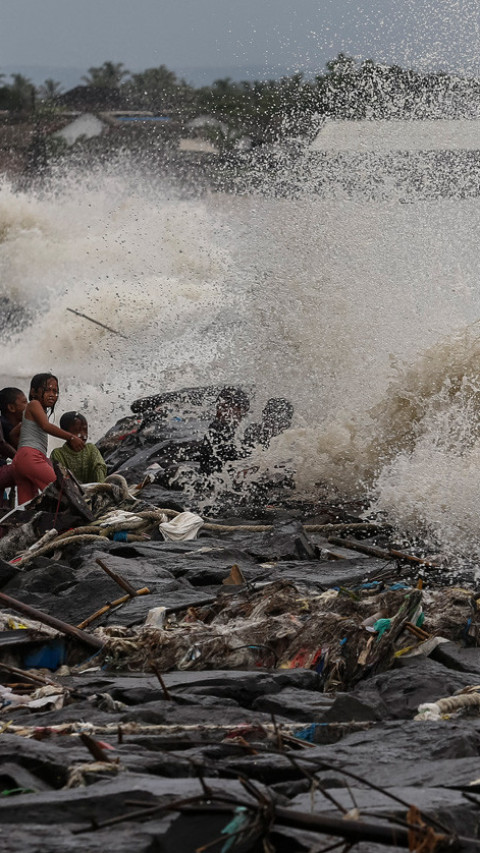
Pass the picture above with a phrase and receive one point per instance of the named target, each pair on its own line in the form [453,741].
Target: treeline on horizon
[347,89]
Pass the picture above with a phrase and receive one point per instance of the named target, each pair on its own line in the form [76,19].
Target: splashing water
[149,267]
[360,310]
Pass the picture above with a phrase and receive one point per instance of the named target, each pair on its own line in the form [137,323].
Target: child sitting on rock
[13,403]
[87,465]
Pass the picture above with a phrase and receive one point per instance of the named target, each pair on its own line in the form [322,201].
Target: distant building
[395,158]
[91,98]
[196,144]
[85,126]
[202,123]
[389,135]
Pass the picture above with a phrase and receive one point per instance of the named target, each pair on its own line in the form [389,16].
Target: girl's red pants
[33,473]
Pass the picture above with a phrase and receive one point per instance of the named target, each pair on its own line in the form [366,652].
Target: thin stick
[118,601]
[35,679]
[40,679]
[162,684]
[381,552]
[94,748]
[40,616]
[124,584]
[143,812]
[97,323]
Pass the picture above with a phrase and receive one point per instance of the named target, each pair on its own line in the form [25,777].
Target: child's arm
[6,449]
[15,435]
[38,414]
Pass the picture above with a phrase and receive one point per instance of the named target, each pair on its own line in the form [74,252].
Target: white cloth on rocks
[184,526]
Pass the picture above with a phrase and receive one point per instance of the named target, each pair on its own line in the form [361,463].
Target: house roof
[93,97]
[86,125]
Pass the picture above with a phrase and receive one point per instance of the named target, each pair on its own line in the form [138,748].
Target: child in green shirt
[87,465]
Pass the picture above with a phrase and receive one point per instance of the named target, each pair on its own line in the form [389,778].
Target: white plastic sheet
[181,528]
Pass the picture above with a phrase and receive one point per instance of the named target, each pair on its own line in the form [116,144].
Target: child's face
[80,428]
[48,395]
[17,408]
[229,412]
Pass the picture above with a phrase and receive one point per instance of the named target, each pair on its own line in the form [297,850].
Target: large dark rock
[79,806]
[269,725]
[458,658]
[307,706]
[397,694]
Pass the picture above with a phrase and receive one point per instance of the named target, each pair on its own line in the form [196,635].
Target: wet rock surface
[265,684]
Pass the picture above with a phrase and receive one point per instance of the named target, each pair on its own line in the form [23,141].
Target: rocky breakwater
[273,678]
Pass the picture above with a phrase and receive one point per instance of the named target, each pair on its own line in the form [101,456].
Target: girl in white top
[33,470]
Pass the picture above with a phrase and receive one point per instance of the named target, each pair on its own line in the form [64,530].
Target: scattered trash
[258,682]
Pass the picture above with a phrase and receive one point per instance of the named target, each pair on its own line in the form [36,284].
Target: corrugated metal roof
[369,135]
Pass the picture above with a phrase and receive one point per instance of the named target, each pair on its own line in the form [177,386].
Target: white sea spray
[363,311]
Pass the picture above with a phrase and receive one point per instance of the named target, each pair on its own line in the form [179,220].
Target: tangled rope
[121,520]
[56,545]
[449,705]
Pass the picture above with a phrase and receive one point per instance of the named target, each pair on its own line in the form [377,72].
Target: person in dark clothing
[277,416]
[12,405]
[220,444]
[256,483]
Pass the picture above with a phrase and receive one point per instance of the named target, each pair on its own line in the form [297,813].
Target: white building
[385,135]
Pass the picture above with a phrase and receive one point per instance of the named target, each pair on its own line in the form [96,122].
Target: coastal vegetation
[262,112]
[347,88]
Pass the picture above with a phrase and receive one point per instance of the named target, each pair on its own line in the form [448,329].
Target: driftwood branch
[373,551]
[117,578]
[97,322]
[45,619]
[111,606]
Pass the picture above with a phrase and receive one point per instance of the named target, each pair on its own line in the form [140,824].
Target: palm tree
[106,76]
[49,89]
[154,88]
[22,91]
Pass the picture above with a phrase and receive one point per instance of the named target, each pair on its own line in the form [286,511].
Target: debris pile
[278,678]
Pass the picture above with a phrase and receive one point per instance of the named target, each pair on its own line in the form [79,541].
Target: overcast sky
[282,35]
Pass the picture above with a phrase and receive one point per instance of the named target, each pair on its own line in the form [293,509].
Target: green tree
[106,76]
[22,92]
[49,89]
[155,89]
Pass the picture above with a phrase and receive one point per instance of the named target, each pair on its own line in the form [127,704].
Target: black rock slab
[307,706]
[326,573]
[458,658]
[447,805]
[208,714]
[242,686]
[397,694]
[125,838]
[45,761]
[386,745]
[105,799]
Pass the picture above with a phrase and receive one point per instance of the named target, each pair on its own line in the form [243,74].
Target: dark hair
[276,417]
[278,406]
[7,397]
[68,419]
[39,383]
[234,397]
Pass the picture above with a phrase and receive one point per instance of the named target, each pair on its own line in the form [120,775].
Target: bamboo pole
[63,627]
[107,607]
[117,578]
[373,551]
